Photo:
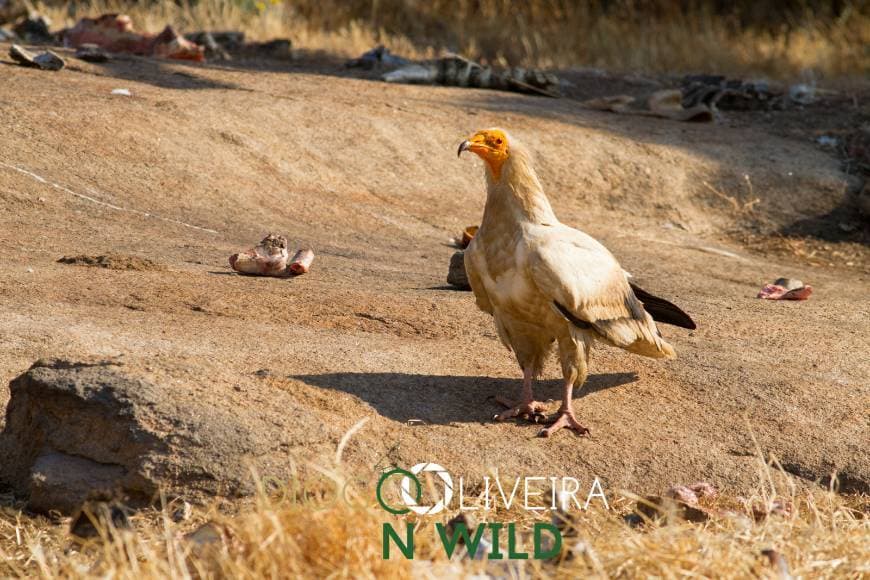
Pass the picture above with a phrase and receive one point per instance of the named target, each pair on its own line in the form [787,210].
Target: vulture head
[491,145]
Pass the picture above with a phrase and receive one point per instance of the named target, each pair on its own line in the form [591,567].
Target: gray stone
[35,29]
[63,482]
[456,275]
[45,60]
[74,428]
[49,61]
[91,53]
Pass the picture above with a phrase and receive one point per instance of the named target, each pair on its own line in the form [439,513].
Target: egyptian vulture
[544,283]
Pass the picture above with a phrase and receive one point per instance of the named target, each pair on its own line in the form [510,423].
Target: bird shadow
[446,399]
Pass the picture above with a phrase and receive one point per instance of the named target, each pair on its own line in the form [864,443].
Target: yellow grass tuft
[821,535]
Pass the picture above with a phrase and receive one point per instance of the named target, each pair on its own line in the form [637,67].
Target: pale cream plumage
[545,282]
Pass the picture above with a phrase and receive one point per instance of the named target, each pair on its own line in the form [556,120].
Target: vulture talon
[565,420]
[523,410]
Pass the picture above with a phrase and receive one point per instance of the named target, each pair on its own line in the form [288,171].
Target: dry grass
[824,536]
[625,35]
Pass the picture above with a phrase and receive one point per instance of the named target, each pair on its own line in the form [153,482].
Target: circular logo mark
[407,475]
[445,497]
[413,502]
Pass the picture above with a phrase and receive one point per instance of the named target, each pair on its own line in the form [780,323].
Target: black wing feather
[663,311]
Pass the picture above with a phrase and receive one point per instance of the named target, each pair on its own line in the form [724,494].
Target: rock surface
[74,428]
[366,173]
[61,482]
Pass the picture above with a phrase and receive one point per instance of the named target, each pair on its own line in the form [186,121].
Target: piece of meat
[690,494]
[268,258]
[774,507]
[785,289]
[114,33]
[301,262]
[170,44]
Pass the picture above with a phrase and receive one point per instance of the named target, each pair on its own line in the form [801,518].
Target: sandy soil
[203,161]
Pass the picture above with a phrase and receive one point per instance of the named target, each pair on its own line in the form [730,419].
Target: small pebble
[97,515]
[209,533]
[182,513]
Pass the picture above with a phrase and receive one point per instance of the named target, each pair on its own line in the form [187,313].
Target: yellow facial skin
[491,145]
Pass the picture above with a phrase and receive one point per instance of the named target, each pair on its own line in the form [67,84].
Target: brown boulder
[74,428]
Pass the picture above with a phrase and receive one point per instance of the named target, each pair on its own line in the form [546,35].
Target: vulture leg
[574,368]
[527,407]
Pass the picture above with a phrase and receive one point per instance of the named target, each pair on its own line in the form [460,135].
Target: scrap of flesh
[301,262]
[268,258]
[785,289]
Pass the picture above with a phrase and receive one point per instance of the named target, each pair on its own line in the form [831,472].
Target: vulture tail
[663,311]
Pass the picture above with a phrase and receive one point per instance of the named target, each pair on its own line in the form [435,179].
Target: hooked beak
[475,144]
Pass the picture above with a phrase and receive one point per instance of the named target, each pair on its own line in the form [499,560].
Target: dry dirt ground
[367,175]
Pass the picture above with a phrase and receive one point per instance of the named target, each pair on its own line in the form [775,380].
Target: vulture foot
[530,410]
[565,420]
